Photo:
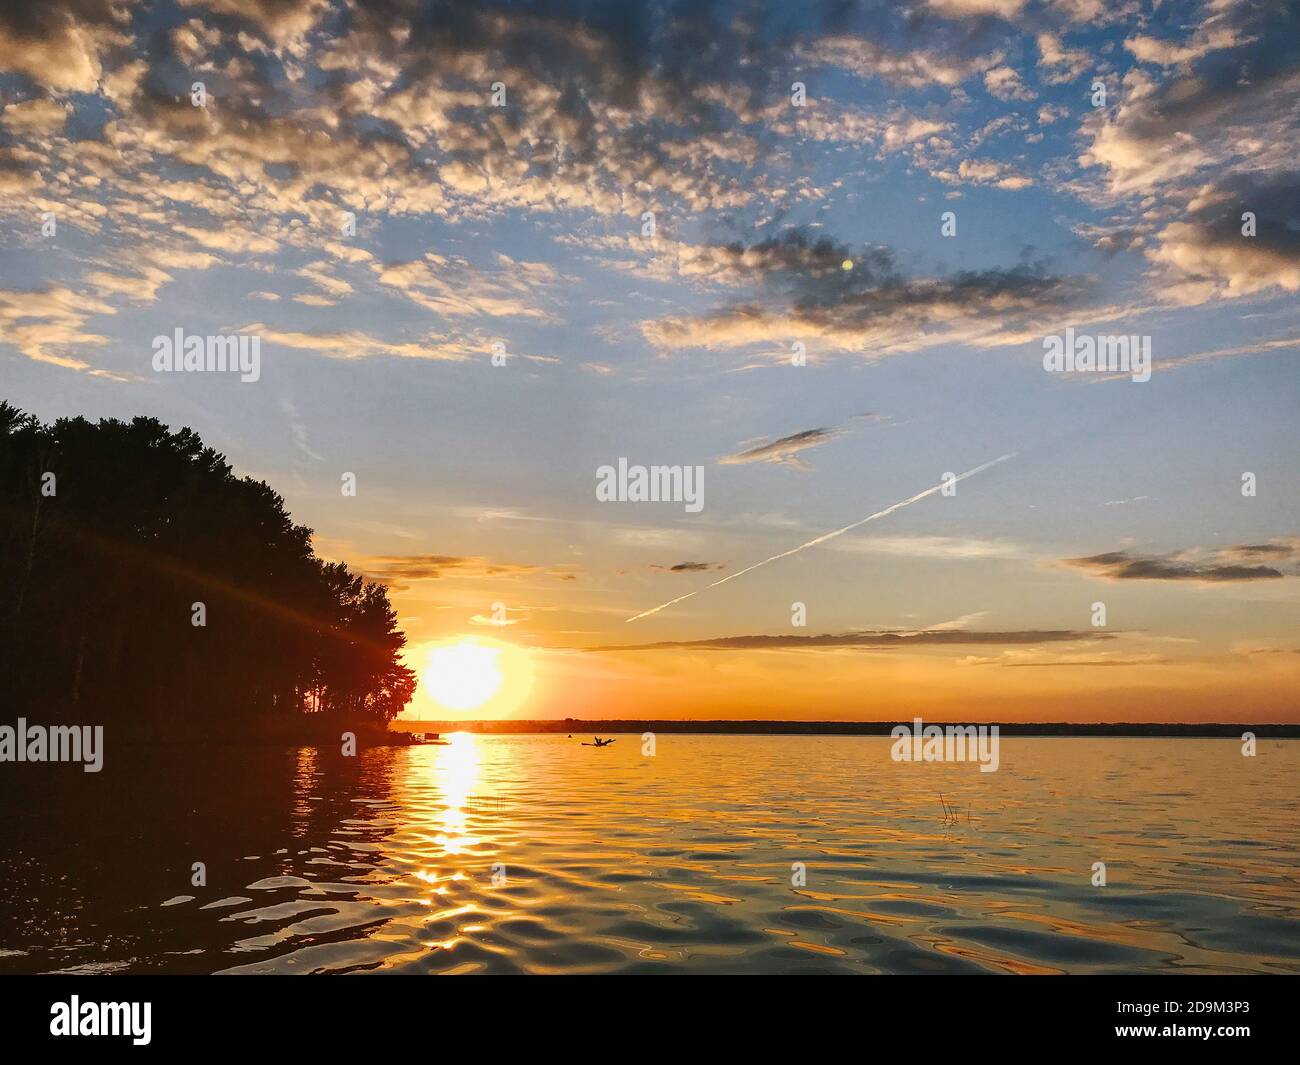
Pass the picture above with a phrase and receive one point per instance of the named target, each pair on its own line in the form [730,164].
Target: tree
[100,576]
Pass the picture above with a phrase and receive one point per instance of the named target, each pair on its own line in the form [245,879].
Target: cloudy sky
[502,161]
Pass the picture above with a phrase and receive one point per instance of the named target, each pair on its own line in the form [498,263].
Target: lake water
[533,854]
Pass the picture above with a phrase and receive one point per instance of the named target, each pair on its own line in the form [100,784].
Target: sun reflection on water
[456,775]
[537,854]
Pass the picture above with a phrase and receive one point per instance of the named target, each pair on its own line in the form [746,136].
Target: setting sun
[462,675]
[489,676]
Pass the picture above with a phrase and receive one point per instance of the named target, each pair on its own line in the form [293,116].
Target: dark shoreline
[291,734]
[848,728]
[369,736]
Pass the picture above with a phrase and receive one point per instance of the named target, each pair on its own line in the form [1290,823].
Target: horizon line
[1190,729]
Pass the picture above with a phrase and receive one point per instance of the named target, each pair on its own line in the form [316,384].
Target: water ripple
[720,854]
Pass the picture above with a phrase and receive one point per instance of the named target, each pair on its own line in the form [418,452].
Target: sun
[490,677]
[462,675]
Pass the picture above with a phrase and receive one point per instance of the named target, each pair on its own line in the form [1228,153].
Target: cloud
[691,567]
[235,241]
[1236,106]
[784,451]
[958,624]
[873,308]
[601,103]
[1113,239]
[785,258]
[793,259]
[1061,64]
[1095,12]
[939,547]
[1036,658]
[60,43]
[1282,549]
[830,121]
[38,116]
[1004,83]
[142,288]
[874,639]
[1170,53]
[964,9]
[1208,255]
[401,570]
[46,325]
[353,344]
[1244,562]
[386,108]
[453,288]
[318,274]
[280,20]
[985,172]
[912,64]
[383,109]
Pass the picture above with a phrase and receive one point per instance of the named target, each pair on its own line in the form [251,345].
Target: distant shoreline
[844,728]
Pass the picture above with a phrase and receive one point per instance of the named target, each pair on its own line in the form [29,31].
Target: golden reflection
[456,774]
[306,770]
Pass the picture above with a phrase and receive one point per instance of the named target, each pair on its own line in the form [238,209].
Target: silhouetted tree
[110,532]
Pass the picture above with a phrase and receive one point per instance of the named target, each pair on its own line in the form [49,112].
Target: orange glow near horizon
[854,685]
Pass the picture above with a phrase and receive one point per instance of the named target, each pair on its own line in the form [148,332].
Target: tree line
[143,583]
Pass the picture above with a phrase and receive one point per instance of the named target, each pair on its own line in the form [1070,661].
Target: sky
[813,250]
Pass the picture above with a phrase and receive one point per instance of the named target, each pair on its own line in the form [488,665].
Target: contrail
[823,538]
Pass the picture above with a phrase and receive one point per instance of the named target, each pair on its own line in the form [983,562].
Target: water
[614,862]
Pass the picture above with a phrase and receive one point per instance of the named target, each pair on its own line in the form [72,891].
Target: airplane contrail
[824,537]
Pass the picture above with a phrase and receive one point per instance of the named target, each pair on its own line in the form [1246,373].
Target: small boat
[430,738]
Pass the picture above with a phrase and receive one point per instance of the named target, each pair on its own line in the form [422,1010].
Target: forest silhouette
[112,531]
